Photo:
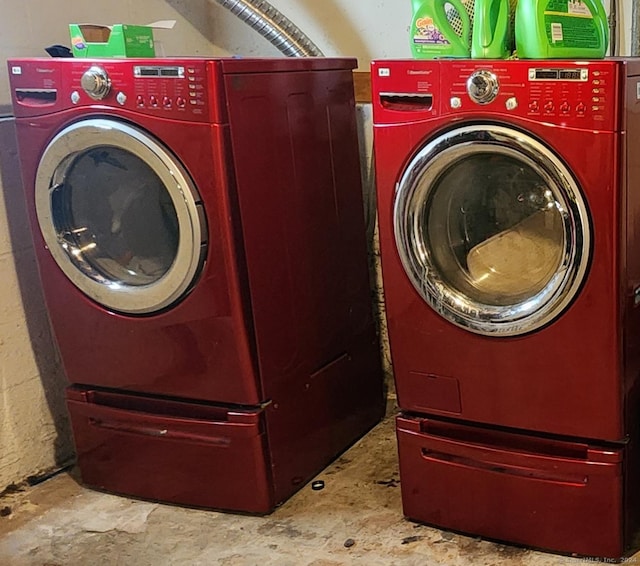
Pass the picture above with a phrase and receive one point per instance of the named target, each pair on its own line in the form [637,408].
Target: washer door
[492,230]
[120,216]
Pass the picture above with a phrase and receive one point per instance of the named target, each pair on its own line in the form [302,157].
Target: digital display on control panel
[158,71]
[559,75]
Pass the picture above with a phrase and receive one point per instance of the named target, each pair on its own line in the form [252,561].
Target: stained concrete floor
[356,519]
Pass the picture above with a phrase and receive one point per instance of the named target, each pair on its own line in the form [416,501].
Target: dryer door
[492,230]
[120,215]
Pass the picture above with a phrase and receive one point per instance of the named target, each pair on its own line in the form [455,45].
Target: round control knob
[181,102]
[121,97]
[96,83]
[455,102]
[564,107]
[483,87]
[75,97]
[153,101]
[511,103]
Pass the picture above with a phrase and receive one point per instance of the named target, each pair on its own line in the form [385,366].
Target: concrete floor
[355,519]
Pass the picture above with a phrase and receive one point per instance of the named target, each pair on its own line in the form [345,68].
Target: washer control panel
[563,92]
[553,91]
[581,94]
[577,92]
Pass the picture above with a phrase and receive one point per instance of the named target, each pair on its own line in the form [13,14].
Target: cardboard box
[119,40]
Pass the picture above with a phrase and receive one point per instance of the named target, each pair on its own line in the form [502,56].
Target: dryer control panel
[580,94]
[177,89]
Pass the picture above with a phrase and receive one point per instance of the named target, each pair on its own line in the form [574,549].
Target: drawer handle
[576,480]
[157,432]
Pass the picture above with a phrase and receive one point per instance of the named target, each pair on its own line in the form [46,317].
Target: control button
[75,97]
[96,83]
[455,102]
[534,106]
[564,107]
[153,101]
[140,101]
[548,106]
[511,103]
[596,82]
[595,108]
[180,102]
[596,91]
[581,108]
[166,102]
[121,97]
[595,99]
[483,87]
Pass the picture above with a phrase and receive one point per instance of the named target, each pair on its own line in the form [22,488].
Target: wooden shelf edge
[362,86]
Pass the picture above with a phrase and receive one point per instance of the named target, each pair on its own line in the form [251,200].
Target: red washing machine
[199,231]
[509,218]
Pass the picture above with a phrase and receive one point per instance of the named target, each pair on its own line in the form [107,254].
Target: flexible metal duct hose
[613,28]
[635,28]
[274,26]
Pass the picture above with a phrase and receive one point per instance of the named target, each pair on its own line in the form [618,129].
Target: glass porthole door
[120,216]
[492,230]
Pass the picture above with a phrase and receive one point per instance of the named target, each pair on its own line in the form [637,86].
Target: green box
[119,40]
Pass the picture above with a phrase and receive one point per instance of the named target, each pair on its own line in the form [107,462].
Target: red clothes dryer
[199,231]
[508,209]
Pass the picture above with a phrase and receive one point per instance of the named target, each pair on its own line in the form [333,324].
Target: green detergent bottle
[432,34]
[561,29]
[491,30]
